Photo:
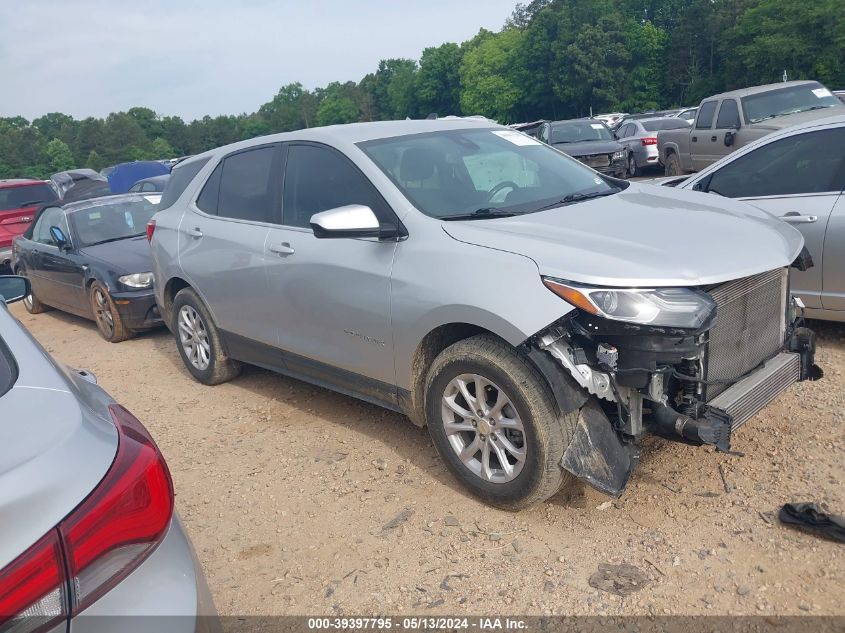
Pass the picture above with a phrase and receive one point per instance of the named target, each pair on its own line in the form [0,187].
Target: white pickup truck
[730,120]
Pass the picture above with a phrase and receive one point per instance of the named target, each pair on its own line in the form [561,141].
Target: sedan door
[797,178]
[221,243]
[64,271]
[331,296]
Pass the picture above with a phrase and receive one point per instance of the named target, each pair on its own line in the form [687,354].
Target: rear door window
[248,186]
[728,118]
[705,115]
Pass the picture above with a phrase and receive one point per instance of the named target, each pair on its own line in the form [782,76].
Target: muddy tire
[506,445]
[199,342]
[632,171]
[31,302]
[106,316]
[673,165]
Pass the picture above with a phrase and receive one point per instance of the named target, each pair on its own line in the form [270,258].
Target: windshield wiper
[810,109]
[480,214]
[116,239]
[31,203]
[578,197]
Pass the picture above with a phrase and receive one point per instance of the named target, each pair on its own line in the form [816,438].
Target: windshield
[577,131]
[790,100]
[111,222]
[457,172]
[25,196]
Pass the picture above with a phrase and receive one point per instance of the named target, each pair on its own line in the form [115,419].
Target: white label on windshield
[517,138]
[596,126]
[821,93]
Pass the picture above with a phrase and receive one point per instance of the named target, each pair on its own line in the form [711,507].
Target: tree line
[553,59]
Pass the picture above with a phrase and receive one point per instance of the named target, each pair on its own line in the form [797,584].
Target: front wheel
[106,316]
[494,423]
[199,340]
[632,166]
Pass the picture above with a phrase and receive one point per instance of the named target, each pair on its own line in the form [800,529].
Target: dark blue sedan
[92,259]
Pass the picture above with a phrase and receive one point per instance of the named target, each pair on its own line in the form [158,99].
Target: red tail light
[151,228]
[648,140]
[106,537]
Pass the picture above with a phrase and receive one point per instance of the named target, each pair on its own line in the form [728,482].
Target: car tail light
[106,537]
[151,228]
[648,140]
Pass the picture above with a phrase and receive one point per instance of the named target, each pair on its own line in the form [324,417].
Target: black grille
[749,327]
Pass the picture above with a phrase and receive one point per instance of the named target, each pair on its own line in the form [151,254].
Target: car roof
[19,182]
[353,133]
[753,90]
[104,200]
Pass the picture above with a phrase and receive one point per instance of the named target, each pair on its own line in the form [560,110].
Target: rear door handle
[713,138]
[282,249]
[194,232]
[796,218]
[695,139]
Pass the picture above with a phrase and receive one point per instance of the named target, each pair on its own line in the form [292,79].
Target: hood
[788,120]
[643,236]
[587,148]
[131,255]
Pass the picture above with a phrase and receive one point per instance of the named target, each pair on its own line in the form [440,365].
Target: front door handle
[694,139]
[284,249]
[793,217]
[194,232]
[713,138]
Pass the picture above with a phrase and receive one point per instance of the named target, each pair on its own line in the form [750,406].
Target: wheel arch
[171,289]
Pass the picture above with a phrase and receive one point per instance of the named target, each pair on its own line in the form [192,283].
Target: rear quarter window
[180,178]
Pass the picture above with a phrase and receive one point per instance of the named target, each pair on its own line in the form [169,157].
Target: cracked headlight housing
[137,281]
[658,307]
[620,155]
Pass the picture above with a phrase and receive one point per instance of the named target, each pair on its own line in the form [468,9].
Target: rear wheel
[106,316]
[495,424]
[673,165]
[30,301]
[199,340]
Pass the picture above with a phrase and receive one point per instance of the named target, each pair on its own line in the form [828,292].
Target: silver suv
[538,317]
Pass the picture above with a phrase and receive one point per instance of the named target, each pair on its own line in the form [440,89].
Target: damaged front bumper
[631,382]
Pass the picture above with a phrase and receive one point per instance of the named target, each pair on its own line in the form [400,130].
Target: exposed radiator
[750,326]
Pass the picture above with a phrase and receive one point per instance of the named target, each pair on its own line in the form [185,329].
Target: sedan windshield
[783,101]
[578,131]
[481,173]
[112,222]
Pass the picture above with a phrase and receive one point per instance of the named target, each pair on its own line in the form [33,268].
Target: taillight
[648,140]
[151,228]
[106,537]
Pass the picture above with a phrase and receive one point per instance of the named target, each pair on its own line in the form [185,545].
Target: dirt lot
[300,501]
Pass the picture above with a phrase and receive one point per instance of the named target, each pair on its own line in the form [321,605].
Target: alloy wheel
[483,428]
[102,312]
[193,336]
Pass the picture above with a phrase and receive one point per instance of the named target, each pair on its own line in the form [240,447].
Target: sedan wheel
[632,166]
[106,315]
[483,428]
[103,313]
[193,335]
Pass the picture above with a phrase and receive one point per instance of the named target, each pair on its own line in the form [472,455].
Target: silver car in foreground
[89,540]
[798,175]
[538,317]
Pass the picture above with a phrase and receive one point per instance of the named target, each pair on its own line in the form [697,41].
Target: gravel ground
[303,501]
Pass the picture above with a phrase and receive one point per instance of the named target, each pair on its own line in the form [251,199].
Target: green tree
[293,108]
[438,81]
[94,161]
[161,149]
[59,156]
[335,109]
[488,83]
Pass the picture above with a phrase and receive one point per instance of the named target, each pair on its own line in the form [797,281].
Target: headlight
[661,307]
[620,155]
[137,280]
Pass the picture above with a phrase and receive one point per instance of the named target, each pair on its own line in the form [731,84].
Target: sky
[190,58]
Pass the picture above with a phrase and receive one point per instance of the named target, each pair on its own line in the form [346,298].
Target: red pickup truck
[19,200]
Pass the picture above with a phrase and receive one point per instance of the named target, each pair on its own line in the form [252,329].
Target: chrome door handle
[282,249]
[194,232]
[797,218]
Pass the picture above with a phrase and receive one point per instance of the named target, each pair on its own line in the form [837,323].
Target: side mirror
[58,237]
[13,288]
[729,138]
[354,220]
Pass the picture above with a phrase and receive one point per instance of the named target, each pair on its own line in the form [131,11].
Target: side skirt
[313,372]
